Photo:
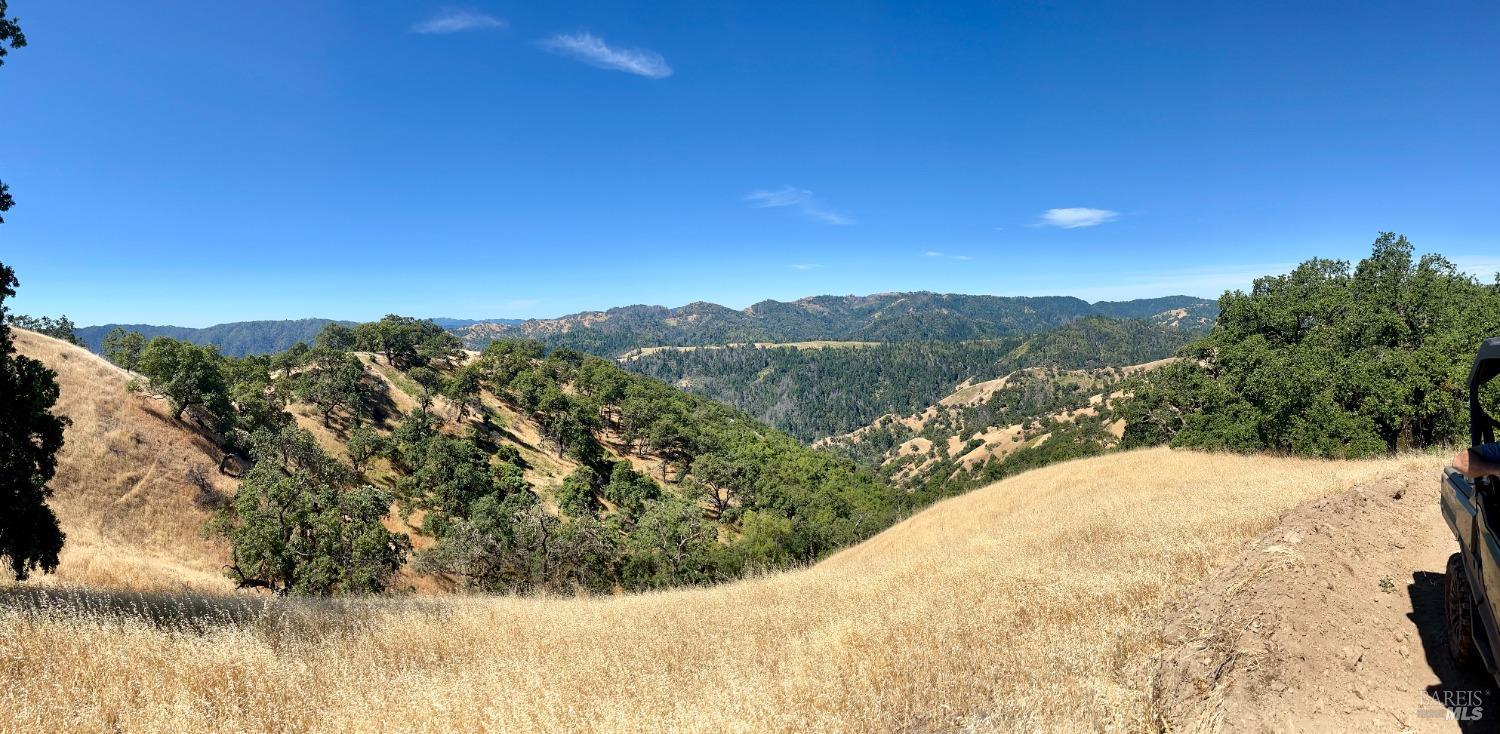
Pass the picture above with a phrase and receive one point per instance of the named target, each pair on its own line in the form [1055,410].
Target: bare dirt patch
[1331,621]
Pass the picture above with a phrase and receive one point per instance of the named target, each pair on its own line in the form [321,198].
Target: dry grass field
[1032,604]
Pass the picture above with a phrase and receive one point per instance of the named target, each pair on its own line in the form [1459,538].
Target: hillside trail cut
[1332,621]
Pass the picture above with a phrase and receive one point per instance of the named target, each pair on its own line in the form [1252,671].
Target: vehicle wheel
[1458,608]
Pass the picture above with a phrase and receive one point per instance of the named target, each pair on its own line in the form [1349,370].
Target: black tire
[1458,611]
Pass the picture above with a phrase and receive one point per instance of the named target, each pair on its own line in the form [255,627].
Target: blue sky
[192,163]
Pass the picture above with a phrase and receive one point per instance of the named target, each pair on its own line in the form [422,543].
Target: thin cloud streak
[592,50]
[452,20]
[806,266]
[935,253]
[1077,216]
[800,199]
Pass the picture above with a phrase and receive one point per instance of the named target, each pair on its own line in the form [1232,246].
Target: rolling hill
[134,486]
[1033,604]
[123,449]
[1049,601]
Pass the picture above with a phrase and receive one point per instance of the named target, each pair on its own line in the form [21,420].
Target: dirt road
[1333,621]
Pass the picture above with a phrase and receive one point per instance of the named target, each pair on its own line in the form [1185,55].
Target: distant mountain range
[883,317]
[239,338]
[235,339]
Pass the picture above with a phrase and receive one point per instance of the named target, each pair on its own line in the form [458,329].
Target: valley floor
[1037,603]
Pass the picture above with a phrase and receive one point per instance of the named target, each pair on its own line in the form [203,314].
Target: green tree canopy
[1327,360]
[299,523]
[61,327]
[333,381]
[30,437]
[187,375]
[124,347]
[406,342]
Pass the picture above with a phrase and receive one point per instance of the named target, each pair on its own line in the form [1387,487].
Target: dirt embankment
[1332,621]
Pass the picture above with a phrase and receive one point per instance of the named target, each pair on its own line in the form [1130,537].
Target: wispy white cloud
[807,266]
[453,20]
[935,253]
[592,50]
[1076,216]
[801,199]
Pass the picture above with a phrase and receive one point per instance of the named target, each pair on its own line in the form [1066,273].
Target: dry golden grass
[1027,605]
[122,491]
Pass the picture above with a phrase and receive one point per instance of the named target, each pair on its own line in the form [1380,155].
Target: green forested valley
[816,393]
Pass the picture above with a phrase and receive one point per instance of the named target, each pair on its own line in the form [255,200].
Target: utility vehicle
[1472,590]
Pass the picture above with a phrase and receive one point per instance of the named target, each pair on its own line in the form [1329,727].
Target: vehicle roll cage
[1486,366]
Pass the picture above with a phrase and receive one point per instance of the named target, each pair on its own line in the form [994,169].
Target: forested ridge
[816,393]
[899,317]
[236,339]
[884,317]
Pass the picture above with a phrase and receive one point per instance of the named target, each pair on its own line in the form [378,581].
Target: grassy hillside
[134,486]
[557,472]
[1033,604]
[883,317]
[235,339]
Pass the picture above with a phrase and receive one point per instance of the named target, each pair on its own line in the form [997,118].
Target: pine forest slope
[1033,604]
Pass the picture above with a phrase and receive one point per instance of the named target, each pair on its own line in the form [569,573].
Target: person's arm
[1477,462]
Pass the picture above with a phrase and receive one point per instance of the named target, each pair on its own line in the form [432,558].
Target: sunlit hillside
[1032,604]
[134,486]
